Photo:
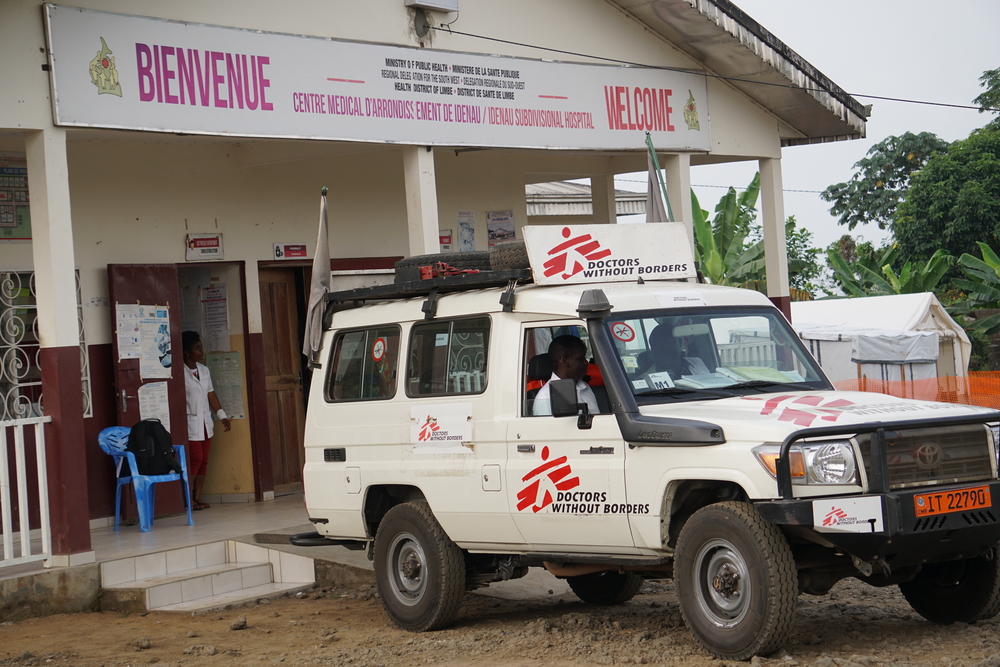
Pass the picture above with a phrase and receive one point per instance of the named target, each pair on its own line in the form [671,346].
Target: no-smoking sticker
[378,349]
[623,332]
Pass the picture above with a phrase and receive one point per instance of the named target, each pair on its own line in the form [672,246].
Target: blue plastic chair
[113,441]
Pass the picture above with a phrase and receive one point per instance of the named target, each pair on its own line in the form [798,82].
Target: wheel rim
[722,583]
[406,567]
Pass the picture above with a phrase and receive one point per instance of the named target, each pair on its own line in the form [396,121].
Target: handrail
[24,533]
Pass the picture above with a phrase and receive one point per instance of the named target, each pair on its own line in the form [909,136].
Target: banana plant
[983,285]
[873,275]
[720,242]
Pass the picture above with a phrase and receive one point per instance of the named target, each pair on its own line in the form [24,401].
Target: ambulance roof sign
[567,254]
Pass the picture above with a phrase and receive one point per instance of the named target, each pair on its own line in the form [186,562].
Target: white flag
[317,292]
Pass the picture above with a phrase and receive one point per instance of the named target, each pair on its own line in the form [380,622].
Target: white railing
[24,536]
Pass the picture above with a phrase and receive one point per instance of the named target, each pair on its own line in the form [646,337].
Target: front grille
[934,456]
[984,517]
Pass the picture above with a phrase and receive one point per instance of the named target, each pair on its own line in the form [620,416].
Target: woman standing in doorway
[202,403]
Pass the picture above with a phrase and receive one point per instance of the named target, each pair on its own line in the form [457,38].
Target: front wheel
[736,581]
[419,571]
[963,591]
[611,587]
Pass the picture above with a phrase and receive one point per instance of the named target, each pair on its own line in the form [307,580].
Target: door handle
[125,398]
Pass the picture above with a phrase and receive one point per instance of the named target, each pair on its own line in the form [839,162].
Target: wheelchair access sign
[569,254]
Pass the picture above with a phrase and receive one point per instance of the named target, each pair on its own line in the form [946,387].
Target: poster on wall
[227,378]
[127,330]
[466,231]
[444,239]
[15,211]
[500,226]
[155,352]
[215,316]
[153,403]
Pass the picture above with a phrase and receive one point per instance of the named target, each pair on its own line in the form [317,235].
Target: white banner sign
[441,428]
[563,254]
[118,71]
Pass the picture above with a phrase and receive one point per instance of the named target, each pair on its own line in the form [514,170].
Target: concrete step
[202,577]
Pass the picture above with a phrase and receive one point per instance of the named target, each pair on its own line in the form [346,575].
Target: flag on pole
[656,189]
[319,286]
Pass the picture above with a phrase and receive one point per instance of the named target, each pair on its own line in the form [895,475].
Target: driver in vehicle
[569,359]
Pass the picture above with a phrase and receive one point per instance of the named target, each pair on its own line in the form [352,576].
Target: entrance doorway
[282,305]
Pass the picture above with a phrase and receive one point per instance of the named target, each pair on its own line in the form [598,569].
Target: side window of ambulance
[448,357]
[364,365]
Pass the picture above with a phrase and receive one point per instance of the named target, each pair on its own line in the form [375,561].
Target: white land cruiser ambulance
[720,455]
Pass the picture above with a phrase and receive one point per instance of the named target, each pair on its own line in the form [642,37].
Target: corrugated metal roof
[565,198]
[730,43]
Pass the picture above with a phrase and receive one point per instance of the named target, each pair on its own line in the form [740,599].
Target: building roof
[733,45]
[565,198]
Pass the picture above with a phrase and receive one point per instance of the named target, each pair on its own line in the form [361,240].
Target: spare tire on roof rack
[508,256]
[408,269]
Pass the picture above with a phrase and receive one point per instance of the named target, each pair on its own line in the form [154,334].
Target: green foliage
[872,274]
[990,99]
[729,248]
[881,179]
[982,282]
[954,201]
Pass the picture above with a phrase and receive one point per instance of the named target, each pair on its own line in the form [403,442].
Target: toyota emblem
[927,456]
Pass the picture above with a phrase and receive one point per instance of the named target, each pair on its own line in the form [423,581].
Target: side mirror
[564,402]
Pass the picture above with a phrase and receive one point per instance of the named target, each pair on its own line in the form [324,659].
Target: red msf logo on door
[571,256]
[554,474]
[833,516]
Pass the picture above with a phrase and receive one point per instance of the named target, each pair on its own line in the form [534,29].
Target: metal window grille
[20,370]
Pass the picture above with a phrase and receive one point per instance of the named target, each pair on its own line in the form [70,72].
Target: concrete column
[775,251]
[59,340]
[421,200]
[602,189]
[678,177]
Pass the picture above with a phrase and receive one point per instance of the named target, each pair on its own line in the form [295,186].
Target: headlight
[814,462]
[995,430]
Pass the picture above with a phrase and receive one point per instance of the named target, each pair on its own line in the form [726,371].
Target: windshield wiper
[674,391]
[754,384]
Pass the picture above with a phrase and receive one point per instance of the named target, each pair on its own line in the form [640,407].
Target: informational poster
[466,231]
[155,353]
[500,226]
[15,212]
[127,330]
[153,403]
[227,378]
[215,316]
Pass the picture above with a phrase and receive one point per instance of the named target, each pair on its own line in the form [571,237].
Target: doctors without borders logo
[555,475]
[803,410]
[428,429]
[573,255]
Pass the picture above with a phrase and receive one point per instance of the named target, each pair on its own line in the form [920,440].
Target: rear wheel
[611,587]
[736,581]
[955,591]
[419,571]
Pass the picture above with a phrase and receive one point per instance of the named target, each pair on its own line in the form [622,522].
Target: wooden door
[149,285]
[284,380]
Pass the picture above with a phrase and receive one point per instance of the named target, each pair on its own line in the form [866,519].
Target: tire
[611,587]
[729,545]
[509,256]
[955,591]
[419,571]
[408,269]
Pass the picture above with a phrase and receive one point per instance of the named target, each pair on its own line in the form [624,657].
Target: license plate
[928,504]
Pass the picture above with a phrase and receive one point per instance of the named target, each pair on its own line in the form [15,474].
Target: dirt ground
[854,625]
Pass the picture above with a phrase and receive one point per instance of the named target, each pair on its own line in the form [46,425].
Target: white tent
[897,337]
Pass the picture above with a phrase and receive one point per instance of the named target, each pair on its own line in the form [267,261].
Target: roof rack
[432,288]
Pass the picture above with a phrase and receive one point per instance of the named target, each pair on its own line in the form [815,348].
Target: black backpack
[150,442]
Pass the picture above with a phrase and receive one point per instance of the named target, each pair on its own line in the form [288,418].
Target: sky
[912,49]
